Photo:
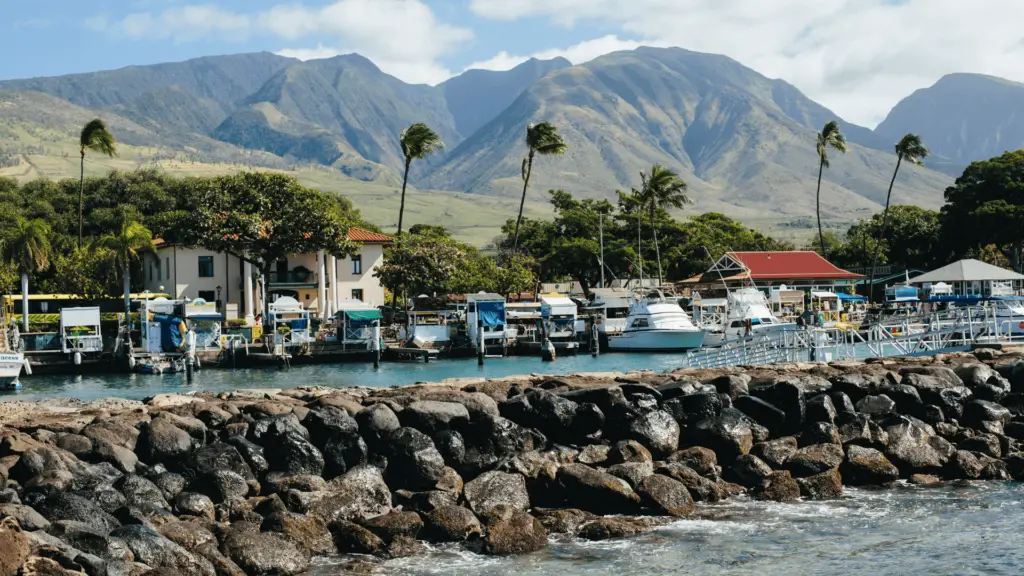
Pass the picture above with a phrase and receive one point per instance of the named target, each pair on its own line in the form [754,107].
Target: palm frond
[661,188]
[419,141]
[544,139]
[912,149]
[830,137]
[97,138]
[29,246]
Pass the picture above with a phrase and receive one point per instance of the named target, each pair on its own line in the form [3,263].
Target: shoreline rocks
[261,482]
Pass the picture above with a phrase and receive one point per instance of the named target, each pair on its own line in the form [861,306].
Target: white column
[334,284]
[321,284]
[250,294]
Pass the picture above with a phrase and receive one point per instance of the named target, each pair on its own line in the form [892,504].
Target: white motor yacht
[747,304]
[656,323]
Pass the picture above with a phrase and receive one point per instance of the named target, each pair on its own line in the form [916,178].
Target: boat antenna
[600,228]
[717,269]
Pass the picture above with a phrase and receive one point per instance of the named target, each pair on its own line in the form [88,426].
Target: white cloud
[402,37]
[858,57]
[577,53]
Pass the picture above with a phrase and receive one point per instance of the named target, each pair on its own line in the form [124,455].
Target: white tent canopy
[967,271]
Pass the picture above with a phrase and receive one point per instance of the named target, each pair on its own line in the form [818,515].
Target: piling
[480,349]
[595,341]
[376,345]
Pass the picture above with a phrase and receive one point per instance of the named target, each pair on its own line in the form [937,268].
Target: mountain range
[744,143]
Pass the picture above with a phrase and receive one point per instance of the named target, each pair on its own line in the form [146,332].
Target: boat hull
[657,340]
[11,366]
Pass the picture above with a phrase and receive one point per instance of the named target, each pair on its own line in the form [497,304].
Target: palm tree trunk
[657,251]
[522,202]
[24,301]
[81,198]
[398,237]
[881,234]
[817,208]
[127,293]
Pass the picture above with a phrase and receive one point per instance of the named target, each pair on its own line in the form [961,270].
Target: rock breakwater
[261,482]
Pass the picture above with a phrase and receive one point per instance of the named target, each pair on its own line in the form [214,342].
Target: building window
[206,266]
[357,264]
[168,262]
[357,294]
[207,295]
[157,266]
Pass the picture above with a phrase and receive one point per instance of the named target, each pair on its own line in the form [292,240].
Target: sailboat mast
[639,251]
[600,228]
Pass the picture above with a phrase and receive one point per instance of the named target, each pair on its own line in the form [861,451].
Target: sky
[856,57]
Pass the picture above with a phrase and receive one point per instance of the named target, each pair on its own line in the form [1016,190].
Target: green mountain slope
[962,118]
[743,142]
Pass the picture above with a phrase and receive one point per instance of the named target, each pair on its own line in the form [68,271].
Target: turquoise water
[138,386]
[905,530]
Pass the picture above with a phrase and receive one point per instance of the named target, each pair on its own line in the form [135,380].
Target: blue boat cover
[491,313]
[170,332]
[851,298]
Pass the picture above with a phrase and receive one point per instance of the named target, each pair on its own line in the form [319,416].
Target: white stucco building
[316,280]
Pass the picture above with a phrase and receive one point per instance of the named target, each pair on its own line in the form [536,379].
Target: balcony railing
[292,277]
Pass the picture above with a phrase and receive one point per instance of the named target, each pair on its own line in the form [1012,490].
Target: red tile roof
[360,235]
[779,265]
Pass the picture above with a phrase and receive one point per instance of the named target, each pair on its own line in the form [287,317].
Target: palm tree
[125,246]
[418,142]
[911,149]
[97,138]
[662,188]
[542,139]
[29,249]
[830,137]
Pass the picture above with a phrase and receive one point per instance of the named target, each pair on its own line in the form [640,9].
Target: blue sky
[858,57]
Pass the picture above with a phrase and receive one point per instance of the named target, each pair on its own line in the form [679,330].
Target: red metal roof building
[794,269]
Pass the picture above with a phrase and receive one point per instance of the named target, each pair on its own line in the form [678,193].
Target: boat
[657,324]
[747,305]
[12,361]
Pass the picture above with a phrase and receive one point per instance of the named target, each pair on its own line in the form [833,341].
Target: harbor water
[139,386]
[904,530]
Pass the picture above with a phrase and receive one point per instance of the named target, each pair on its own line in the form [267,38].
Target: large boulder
[867,467]
[790,393]
[693,408]
[14,546]
[160,441]
[906,397]
[221,486]
[820,433]
[779,487]
[451,524]
[140,493]
[86,539]
[762,412]
[943,373]
[854,385]
[940,387]
[699,458]
[511,531]
[194,504]
[628,451]
[430,416]
[826,485]
[67,506]
[413,461]
[732,385]
[814,459]
[664,495]
[114,431]
[861,430]
[595,491]
[914,448]
[876,405]
[351,538]
[376,423]
[728,435]
[985,415]
[158,552]
[359,494]
[252,453]
[491,440]
[775,452]
[327,421]
[495,488]
[213,457]
[394,525]
[700,488]
[656,430]
[276,426]
[27,517]
[750,471]
[341,452]
[987,444]
[293,454]
[821,409]
[265,554]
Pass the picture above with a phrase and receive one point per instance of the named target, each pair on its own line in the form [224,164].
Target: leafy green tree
[543,139]
[664,189]
[911,149]
[84,272]
[418,141]
[259,217]
[29,248]
[986,206]
[423,263]
[125,247]
[829,137]
[97,138]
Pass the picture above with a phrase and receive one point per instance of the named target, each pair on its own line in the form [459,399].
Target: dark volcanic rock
[252,453]
[728,435]
[609,528]
[511,531]
[394,524]
[327,421]
[631,472]
[775,452]
[277,426]
[163,442]
[843,405]
[863,431]
[413,461]
[906,397]
[361,493]
[628,451]
[71,507]
[977,413]
[430,416]
[780,487]
[821,409]
[732,385]
[701,459]
[693,408]
[451,524]
[28,519]
[195,504]
[879,405]
[790,394]
[867,467]
[700,488]
[913,447]
[814,459]
[656,430]
[750,471]
[293,454]
[158,552]
[589,489]
[762,412]
[824,486]
[265,554]
[495,488]
[350,538]
[221,485]
[820,433]
[213,457]
[170,484]
[376,423]
[341,452]
[855,386]
[664,495]
[987,444]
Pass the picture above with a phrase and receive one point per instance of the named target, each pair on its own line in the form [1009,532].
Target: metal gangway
[946,331]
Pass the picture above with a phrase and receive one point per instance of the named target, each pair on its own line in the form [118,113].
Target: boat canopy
[711,303]
[491,313]
[822,294]
[851,298]
[362,317]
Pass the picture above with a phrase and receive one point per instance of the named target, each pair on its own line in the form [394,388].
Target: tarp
[170,331]
[362,317]
[851,298]
[491,313]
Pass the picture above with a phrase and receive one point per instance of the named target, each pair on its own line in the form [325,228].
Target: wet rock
[964,464]
[914,448]
[293,454]
[495,488]
[140,492]
[221,485]
[780,487]
[775,452]
[163,442]
[824,486]
[85,539]
[195,504]
[511,531]
[278,425]
[361,493]
[987,444]
[218,456]
[854,385]
[750,471]
[979,412]
[863,431]
[14,548]
[924,480]
[879,405]
[265,554]
[404,547]
[821,409]
[595,491]
[28,519]
[431,416]
[867,467]
[158,552]
[700,488]
[632,472]
[252,454]
[814,459]
[563,520]
[701,459]
[594,454]
[1015,465]
[693,408]
[327,421]
[729,435]
[609,528]
[451,524]
[665,495]
[187,534]
[169,483]
[394,524]
[628,451]
[820,433]
[733,385]
[413,461]
[68,506]
[342,452]
[350,538]
[762,412]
